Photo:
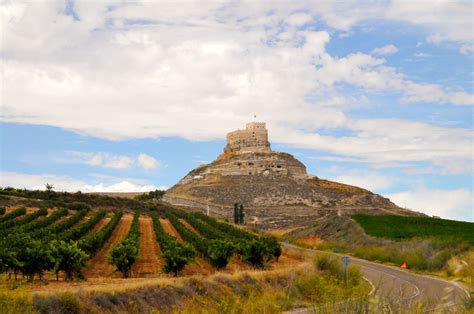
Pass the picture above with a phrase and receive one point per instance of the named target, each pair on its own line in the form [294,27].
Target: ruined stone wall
[253,139]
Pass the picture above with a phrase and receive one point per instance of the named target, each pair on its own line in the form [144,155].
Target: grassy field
[401,228]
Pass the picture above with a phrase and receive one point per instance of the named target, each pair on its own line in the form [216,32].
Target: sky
[132,95]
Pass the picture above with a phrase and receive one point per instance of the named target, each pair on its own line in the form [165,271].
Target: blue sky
[116,96]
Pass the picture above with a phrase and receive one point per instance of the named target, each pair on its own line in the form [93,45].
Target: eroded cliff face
[275,190]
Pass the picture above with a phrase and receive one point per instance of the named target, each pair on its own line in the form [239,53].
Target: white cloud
[147,162]
[64,183]
[103,159]
[467,49]
[452,204]
[376,142]
[385,50]
[370,180]
[298,19]
[106,160]
[150,70]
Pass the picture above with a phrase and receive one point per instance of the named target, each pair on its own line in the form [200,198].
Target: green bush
[123,255]
[253,251]
[220,252]
[333,266]
[78,206]
[68,257]
[176,256]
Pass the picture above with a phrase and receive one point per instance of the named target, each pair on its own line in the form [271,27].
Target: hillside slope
[275,191]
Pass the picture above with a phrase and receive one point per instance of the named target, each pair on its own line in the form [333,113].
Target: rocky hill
[273,187]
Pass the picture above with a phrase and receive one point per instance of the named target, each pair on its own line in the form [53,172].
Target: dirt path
[184,222]
[170,229]
[148,262]
[98,265]
[100,225]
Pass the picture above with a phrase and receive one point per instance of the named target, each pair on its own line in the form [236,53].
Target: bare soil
[148,262]
[100,225]
[170,229]
[98,265]
[29,210]
[184,222]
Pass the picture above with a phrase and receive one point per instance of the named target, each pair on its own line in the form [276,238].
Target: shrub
[68,258]
[78,206]
[273,246]
[123,255]
[220,252]
[334,268]
[330,264]
[68,303]
[253,251]
[176,256]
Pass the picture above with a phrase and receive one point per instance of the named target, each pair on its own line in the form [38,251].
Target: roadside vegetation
[305,286]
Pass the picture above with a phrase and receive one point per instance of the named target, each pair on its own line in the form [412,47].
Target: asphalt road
[399,288]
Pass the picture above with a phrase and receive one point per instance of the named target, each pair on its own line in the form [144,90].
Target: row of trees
[43,245]
[93,242]
[219,245]
[76,201]
[13,214]
[37,224]
[239,214]
[176,255]
[217,251]
[12,223]
[252,248]
[123,254]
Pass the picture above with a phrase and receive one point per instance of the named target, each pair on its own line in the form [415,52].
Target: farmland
[46,244]
[401,227]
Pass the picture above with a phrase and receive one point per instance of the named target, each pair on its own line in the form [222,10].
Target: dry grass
[337,186]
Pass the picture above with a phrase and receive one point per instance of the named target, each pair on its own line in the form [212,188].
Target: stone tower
[253,139]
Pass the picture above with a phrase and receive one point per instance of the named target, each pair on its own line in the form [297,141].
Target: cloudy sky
[131,95]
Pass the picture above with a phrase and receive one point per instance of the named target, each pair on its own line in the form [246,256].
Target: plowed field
[98,265]
[170,229]
[148,262]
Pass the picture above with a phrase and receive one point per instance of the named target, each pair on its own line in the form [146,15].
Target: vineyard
[45,244]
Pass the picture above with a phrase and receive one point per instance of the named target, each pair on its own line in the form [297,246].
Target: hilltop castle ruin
[253,139]
[273,186]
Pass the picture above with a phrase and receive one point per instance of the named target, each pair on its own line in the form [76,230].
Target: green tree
[176,256]
[38,259]
[273,247]
[254,251]
[68,257]
[241,214]
[220,252]
[49,189]
[123,255]
[236,213]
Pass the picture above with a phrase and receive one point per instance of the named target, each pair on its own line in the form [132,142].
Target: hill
[274,187]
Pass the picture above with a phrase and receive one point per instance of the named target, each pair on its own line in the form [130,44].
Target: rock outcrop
[274,189]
